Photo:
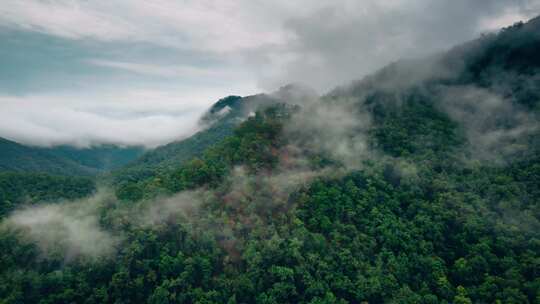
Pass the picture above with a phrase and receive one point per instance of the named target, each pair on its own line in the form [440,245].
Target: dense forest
[417,184]
[64,160]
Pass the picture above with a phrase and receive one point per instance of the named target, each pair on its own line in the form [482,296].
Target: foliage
[19,188]
[63,160]
[254,143]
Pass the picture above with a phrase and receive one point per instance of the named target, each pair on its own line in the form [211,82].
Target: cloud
[68,19]
[160,70]
[148,116]
[164,210]
[346,40]
[145,117]
[71,228]
[496,128]
[185,24]
[58,54]
[510,15]
[335,127]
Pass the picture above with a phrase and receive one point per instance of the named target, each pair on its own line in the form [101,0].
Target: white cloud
[209,24]
[162,70]
[158,64]
[143,117]
[69,19]
[71,228]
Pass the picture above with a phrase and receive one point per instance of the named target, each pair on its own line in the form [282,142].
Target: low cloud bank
[71,229]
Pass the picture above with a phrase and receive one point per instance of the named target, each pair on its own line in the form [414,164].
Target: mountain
[417,184]
[19,158]
[216,124]
[63,160]
[102,158]
[17,189]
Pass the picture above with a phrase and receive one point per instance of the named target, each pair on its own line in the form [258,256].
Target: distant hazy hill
[102,158]
[63,160]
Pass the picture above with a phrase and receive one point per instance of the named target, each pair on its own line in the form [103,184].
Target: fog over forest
[249,152]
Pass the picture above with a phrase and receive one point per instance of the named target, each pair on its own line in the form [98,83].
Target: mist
[333,127]
[98,226]
[496,128]
[67,229]
[93,228]
[353,41]
[346,40]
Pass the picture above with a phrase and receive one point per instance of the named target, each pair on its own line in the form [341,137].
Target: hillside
[216,124]
[18,189]
[63,160]
[173,154]
[417,184]
[101,158]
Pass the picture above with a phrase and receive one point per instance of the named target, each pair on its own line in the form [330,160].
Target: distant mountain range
[64,160]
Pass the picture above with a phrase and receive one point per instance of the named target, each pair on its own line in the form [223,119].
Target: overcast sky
[142,71]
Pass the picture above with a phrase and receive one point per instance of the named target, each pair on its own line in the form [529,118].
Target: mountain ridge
[63,160]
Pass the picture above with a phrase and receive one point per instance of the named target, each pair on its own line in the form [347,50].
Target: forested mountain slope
[19,158]
[216,124]
[63,160]
[418,184]
[216,127]
[101,158]
[17,189]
